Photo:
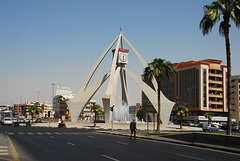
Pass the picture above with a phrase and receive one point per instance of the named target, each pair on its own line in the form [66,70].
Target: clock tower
[122,57]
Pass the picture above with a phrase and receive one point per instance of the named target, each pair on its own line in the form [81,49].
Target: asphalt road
[48,144]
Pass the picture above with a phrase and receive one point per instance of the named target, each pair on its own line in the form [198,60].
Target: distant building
[20,110]
[47,110]
[236,97]
[87,114]
[59,102]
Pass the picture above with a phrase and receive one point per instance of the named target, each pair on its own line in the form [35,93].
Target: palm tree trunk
[159,107]
[95,120]
[32,118]
[181,123]
[229,72]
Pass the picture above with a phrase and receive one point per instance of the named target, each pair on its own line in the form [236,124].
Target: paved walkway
[122,126]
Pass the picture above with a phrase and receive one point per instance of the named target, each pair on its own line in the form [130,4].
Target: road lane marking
[3,147]
[4,153]
[52,137]
[57,133]
[110,158]
[3,150]
[48,133]
[122,143]
[71,144]
[186,156]
[91,136]
[10,133]
[20,133]
[39,133]
[75,133]
[30,133]
[14,152]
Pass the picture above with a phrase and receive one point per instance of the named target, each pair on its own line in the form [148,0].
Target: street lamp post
[38,96]
[49,115]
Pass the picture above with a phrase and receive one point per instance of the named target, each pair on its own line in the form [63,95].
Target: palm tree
[208,115]
[32,109]
[182,112]
[159,69]
[229,9]
[38,110]
[98,110]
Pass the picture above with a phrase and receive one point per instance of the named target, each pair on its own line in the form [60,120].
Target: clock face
[123,57]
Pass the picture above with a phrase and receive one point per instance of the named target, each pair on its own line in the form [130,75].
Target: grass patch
[233,134]
[158,134]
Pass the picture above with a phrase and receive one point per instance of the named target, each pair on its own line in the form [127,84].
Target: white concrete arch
[79,102]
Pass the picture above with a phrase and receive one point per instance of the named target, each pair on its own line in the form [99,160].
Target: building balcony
[215,88]
[214,81]
[215,103]
[215,75]
[215,95]
[216,109]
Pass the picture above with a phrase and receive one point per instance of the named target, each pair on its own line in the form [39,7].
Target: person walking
[133,128]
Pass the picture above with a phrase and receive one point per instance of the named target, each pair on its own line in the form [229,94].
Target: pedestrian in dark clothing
[133,128]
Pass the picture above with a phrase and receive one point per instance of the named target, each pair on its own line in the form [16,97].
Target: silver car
[210,127]
[7,121]
[235,127]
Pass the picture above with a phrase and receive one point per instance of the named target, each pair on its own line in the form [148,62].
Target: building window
[204,88]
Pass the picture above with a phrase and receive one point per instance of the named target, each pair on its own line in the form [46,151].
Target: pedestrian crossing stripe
[45,133]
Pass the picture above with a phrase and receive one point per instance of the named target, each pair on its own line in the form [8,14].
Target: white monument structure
[118,67]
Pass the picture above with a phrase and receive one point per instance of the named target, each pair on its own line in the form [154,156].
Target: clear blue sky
[58,41]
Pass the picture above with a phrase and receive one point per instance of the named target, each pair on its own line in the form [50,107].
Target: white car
[7,121]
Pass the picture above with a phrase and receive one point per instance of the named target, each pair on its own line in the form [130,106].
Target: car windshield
[8,119]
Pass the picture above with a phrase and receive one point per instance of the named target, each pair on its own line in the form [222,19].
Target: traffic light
[111,108]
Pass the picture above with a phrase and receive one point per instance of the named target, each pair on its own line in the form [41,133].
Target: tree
[141,113]
[32,109]
[208,115]
[229,9]
[182,112]
[98,110]
[38,110]
[159,69]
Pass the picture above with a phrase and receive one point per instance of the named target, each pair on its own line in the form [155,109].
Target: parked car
[21,120]
[201,124]
[210,127]
[26,120]
[14,120]
[7,121]
[235,127]
[224,126]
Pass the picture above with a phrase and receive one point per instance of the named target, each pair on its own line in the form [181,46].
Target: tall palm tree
[229,9]
[98,110]
[159,69]
[38,110]
[32,109]
[182,112]
[208,115]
